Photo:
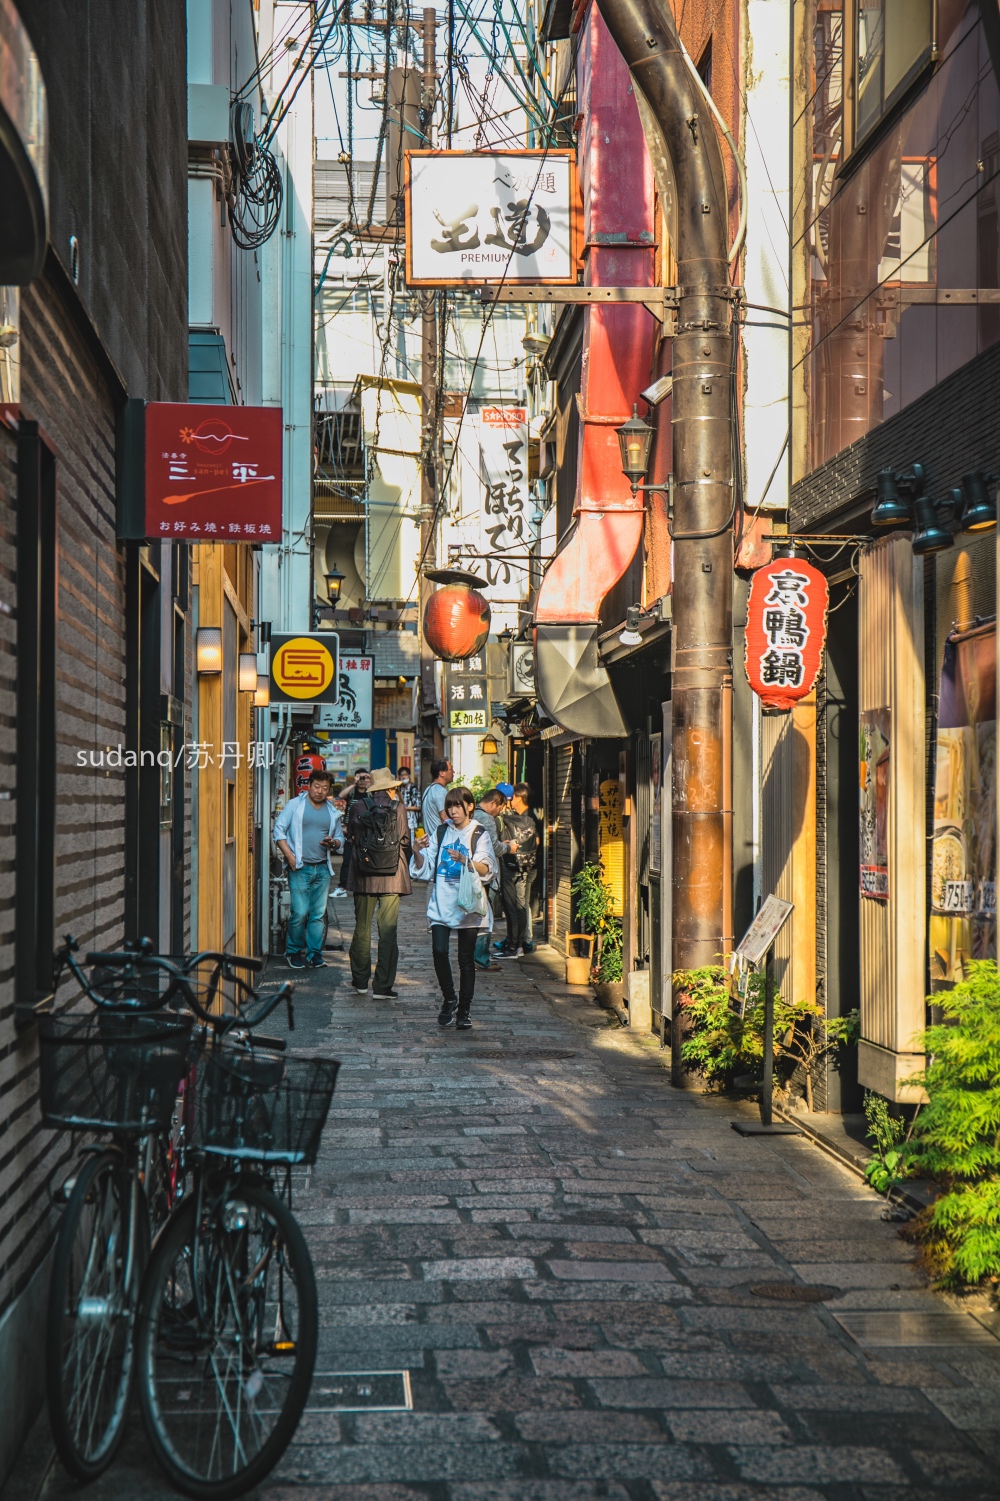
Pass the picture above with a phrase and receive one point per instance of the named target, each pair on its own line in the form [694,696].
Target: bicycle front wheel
[93,1294]
[226,1341]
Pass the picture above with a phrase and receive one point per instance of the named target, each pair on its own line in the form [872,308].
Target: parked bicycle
[218,1319]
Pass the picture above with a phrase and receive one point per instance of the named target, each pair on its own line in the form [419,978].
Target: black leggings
[440,937]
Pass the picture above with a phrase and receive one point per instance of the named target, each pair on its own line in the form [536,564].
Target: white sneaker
[340,891]
[359,991]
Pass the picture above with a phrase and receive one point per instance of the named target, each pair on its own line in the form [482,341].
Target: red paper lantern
[786,631]
[456,622]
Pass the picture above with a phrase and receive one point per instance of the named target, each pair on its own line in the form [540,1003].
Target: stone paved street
[560,1250]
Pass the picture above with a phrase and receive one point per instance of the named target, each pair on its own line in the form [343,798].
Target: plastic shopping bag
[471,892]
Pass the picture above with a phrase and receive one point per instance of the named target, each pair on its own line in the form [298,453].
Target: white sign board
[764,929]
[353,711]
[481,216]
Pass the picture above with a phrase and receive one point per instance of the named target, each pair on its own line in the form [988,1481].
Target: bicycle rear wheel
[91,1320]
[227,1341]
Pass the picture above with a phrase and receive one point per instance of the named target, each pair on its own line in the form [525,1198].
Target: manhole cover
[532,1055]
[795,1292]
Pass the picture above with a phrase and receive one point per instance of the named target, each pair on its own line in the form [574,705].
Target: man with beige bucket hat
[379,837]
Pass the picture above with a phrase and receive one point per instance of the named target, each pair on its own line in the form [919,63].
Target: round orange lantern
[456,622]
[785,631]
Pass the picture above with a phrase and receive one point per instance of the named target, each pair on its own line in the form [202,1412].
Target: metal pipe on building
[687,159]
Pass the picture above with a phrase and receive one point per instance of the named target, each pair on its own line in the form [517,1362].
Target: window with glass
[893,40]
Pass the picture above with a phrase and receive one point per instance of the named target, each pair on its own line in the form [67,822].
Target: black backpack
[376,839]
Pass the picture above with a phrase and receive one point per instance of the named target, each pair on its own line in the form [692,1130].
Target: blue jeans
[309,887]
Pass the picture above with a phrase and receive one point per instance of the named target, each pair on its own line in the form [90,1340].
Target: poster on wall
[873,758]
[963,867]
[353,709]
[611,838]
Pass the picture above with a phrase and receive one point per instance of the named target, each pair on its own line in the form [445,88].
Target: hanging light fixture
[978,509]
[262,693]
[488,746]
[334,584]
[248,672]
[635,439]
[208,648]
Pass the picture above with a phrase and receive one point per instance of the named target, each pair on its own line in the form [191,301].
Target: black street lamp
[334,584]
[978,512]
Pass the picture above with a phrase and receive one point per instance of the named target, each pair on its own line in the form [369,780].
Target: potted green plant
[595,914]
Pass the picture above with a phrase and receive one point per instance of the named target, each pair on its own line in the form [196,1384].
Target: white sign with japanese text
[353,710]
[474,217]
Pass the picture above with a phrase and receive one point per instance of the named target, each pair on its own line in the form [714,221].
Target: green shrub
[724,1045]
[595,913]
[480,785]
[956,1136]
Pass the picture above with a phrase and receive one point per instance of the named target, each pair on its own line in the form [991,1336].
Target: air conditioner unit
[521,675]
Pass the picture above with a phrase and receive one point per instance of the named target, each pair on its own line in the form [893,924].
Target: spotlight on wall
[890,508]
[208,648]
[248,672]
[630,635]
[262,693]
[976,502]
[930,534]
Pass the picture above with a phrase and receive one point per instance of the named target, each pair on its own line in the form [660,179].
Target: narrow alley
[561,1252]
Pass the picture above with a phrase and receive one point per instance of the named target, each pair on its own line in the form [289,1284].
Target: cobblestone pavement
[560,1250]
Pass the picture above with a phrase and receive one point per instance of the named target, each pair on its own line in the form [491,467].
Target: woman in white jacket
[439,858]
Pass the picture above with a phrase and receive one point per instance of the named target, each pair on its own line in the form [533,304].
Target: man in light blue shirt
[308,831]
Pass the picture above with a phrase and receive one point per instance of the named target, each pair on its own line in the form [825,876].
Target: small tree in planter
[595,913]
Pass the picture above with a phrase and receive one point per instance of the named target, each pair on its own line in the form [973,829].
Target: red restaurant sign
[786,631]
[213,473]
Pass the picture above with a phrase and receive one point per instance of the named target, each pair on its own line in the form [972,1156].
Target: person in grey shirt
[487,813]
[308,831]
[432,803]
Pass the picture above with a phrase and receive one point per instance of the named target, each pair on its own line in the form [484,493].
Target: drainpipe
[687,159]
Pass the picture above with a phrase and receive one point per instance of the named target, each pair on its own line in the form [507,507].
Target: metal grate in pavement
[360,1391]
[795,1292]
[902,1329]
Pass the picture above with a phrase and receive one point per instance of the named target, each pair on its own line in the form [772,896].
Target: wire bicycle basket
[112,1071]
[260,1107]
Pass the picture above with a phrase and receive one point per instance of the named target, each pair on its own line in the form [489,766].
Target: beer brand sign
[212,473]
[786,631]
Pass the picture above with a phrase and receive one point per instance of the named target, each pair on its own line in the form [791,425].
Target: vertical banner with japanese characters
[466,685]
[874,748]
[355,697]
[786,631]
[503,459]
[963,869]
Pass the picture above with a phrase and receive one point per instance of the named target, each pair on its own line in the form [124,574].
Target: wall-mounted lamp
[262,692]
[901,502]
[334,584]
[208,648]
[930,533]
[890,508]
[635,438]
[630,635]
[248,672]
[488,745]
[658,391]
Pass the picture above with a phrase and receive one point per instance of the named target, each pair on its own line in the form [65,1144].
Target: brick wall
[62,389]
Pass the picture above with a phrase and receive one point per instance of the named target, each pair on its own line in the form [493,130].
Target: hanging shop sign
[786,631]
[963,862]
[200,473]
[874,749]
[304,669]
[466,689]
[353,707]
[503,460]
[611,839]
[490,216]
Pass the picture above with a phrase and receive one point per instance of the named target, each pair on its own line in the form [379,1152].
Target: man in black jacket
[517,871]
